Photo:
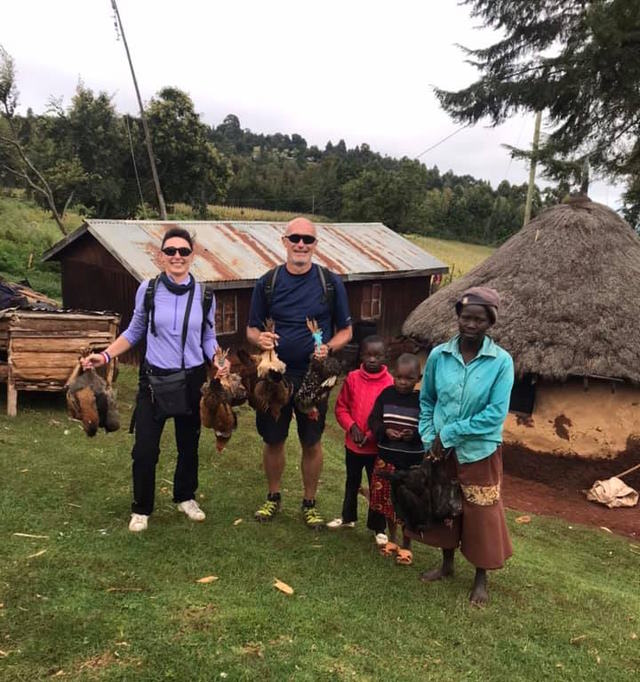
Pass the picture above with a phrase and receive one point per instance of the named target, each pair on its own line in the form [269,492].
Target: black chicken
[320,378]
[424,495]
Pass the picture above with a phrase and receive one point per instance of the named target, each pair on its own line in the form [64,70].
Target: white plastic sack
[613,493]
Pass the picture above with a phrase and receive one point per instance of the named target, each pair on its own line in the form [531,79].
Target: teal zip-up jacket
[466,405]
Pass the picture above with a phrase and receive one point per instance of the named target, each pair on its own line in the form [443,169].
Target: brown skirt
[481,532]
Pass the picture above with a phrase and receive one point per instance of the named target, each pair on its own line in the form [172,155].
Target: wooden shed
[39,348]
[385,275]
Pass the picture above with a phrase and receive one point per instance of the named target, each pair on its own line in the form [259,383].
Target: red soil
[552,486]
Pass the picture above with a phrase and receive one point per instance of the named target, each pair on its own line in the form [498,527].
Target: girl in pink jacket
[353,407]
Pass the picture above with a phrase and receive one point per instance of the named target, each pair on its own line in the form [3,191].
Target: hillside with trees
[90,157]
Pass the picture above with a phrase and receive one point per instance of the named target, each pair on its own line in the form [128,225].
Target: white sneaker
[339,523]
[138,522]
[192,510]
[381,539]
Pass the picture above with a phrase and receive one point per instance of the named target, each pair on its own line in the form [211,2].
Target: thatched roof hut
[569,283]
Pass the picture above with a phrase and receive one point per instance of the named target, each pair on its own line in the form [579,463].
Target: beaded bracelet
[106,356]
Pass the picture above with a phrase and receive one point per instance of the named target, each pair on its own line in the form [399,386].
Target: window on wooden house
[371,306]
[226,313]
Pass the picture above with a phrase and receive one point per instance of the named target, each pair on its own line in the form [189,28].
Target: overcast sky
[352,69]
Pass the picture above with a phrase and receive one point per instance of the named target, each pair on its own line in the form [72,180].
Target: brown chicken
[317,383]
[268,389]
[219,396]
[92,401]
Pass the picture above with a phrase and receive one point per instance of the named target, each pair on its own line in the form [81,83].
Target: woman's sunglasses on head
[297,238]
[184,251]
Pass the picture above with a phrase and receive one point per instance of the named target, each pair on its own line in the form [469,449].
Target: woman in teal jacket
[464,401]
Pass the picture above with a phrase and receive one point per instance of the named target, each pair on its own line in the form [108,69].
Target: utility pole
[143,118]
[584,177]
[532,170]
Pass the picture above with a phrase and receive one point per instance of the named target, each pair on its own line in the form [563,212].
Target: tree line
[93,158]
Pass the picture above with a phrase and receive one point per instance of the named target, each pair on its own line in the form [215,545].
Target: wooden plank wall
[43,348]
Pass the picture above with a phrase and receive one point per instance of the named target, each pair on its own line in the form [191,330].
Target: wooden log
[60,333]
[58,324]
[44,314]
[51,387]
[37,374]
[12,399]
[45,361]
[37,344]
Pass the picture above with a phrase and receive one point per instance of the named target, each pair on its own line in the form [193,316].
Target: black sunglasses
[297,238]
[184,251]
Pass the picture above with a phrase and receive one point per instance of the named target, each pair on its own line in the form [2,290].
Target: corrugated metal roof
[238,253]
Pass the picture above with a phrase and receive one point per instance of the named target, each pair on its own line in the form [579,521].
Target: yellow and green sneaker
[268,510]
[311,517]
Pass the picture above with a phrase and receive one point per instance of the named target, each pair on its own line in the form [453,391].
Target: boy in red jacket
[353,407]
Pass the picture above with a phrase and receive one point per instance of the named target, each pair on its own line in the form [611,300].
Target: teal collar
[488,348]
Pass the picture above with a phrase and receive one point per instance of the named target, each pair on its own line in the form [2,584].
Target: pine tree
[577,60]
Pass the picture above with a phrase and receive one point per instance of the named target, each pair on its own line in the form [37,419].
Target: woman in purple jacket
[171,321]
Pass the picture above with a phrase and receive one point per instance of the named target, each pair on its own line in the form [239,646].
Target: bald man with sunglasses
[297,293]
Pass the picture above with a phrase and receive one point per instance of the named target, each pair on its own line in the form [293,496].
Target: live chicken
[320,378]
[219,397]
[92,401]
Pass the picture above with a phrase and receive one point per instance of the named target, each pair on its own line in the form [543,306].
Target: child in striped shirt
[394,425]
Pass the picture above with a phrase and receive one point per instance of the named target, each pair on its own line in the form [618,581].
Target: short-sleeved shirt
[293,299]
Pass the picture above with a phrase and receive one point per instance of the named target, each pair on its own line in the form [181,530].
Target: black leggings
[355,463]
[146,449]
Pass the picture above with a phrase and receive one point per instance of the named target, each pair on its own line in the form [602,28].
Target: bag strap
[149,304]
[185,322]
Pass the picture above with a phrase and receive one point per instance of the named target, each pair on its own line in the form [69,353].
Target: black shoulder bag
[169,391]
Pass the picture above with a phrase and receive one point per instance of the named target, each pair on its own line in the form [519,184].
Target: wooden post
[532,170]
[12,397]
[143,118]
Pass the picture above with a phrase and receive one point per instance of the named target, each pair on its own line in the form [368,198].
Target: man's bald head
[301,225]
[299,253]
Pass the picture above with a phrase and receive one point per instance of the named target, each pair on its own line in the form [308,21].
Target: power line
[444,139]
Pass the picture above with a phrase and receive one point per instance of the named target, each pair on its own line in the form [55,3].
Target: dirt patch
[97,662]
[552,486]
[197,618]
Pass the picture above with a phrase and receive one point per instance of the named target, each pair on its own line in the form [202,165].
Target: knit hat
[485,296]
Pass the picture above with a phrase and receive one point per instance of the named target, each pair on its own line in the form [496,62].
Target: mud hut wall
[598,421]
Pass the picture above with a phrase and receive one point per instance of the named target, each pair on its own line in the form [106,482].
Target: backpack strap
[328,288]
[326,281]
[149,305]
[207,302]
[269,285]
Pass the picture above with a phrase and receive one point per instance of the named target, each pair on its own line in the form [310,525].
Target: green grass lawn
[460,257]
[92,601]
